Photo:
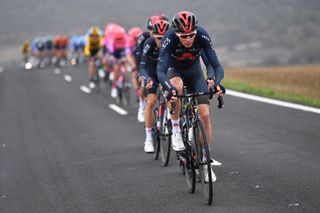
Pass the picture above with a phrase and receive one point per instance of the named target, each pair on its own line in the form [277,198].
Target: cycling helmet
[160,27]
[184,22]
[135,32]
[163,17]
[95,31]
[151,21]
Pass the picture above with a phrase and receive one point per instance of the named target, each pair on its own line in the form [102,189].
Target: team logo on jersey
[187,56]
[146,49]
[165,43]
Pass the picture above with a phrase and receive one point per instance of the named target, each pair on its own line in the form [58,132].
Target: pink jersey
[115,37]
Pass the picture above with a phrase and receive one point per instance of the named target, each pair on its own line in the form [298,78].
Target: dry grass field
[300,81]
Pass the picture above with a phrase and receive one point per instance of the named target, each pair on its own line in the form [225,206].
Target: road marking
[215,163]
[85,89]
[294,204]
[57,71]
[118,109]
[3,146]
[1,69]
[272,101]
[68,78]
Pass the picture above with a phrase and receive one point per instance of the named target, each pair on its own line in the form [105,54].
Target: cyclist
[74,49]
[49,48]
[25,49]
[180,65]
[138,53]
[92,49]
[133,35]
[116,45]
[148,67]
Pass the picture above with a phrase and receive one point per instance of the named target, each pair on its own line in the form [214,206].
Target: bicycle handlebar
[193,95]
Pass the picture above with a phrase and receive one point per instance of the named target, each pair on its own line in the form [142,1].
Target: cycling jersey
[25,48]
[149,61]
[139,48]
[175,56]
[93,45]
[116,42]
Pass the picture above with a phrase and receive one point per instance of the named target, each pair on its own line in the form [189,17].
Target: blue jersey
[149,59]
[139,47]
[174,54]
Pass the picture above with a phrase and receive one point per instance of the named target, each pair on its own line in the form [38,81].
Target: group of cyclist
[48,50]
[168,54]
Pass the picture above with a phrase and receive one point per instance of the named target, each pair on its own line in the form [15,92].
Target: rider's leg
[177,143]
[205,118]
[149,115]
[91,68]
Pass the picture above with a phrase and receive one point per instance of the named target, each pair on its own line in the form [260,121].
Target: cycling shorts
[193,79]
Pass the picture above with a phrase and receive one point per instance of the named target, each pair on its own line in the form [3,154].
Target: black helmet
[151,21]
[160,27]
[184,22]
[163,17]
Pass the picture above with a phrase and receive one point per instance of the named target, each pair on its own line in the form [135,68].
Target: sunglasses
[187,36]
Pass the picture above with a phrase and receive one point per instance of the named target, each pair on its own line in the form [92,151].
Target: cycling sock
[175,126]
[141,103]
[148,134]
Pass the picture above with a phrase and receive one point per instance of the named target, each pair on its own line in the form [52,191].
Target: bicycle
[162,128]
[196,154]
[123,85]
[97,75]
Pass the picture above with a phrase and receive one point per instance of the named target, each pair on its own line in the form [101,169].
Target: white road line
[68,78]
[3,146]
[272,101]
[1,69]
[215,163]
[57,71]
[85,89]
[118,109]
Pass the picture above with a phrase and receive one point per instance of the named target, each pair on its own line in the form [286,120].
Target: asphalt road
[62,150]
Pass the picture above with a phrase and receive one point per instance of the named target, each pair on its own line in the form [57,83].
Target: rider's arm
[207,64]
[211,55]
[145,60]
[163,63]
[139,46]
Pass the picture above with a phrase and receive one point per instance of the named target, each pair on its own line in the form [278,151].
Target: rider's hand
[219,90]
[149,84]
[172,94]
[140,79]
[210,82]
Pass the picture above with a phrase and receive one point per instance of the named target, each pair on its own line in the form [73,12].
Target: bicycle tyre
[156,138]
[165,137]
[202,149]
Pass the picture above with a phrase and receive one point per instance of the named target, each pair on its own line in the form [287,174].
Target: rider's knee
[151,101]
[177,83]
[204,115]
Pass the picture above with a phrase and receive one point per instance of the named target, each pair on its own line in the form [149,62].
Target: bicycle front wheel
[203,163]
[165,136]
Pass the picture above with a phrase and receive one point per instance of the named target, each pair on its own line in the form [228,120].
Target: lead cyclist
[180,65]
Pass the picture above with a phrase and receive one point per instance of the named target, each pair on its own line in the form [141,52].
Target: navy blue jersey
[139,46]
[174,54]
[149,59]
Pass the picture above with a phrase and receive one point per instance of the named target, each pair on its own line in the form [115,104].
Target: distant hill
[245,32]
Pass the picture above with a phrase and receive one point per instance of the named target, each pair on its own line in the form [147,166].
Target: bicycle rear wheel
[203,162]
[165,136]
[156,137]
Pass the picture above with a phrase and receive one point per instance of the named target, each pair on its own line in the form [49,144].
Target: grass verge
[260,91]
